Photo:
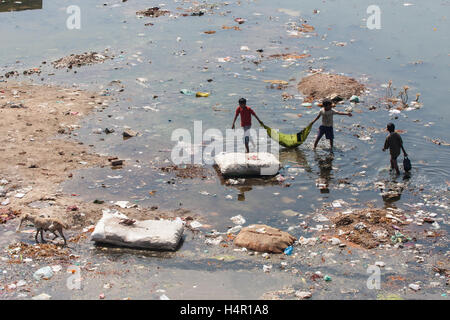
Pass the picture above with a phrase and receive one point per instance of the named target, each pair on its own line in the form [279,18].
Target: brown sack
[262,238]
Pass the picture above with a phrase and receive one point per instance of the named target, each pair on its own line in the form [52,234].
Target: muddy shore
[40,150]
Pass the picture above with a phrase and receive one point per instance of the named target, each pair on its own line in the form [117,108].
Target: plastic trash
[43,273]
[188,92]
[354,99]
[406,164]
[288,250]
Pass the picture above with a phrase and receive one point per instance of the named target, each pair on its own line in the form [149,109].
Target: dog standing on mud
[44,224]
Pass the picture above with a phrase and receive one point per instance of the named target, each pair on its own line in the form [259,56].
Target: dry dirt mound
[187,172]
[79,60]
[321,86]
[154,12]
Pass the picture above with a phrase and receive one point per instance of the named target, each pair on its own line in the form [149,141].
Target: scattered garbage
[44,273]
[354,99]
[239,220]
[303,294]
[153,12]
[288,251]
[79,60]
[42,296]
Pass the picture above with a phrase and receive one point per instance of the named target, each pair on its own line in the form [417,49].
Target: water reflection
[325,163]
[242,191]
[12,5]
[295,156]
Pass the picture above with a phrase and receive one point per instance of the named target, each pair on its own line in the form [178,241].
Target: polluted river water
[153,58]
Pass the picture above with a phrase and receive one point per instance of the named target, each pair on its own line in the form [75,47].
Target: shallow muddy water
[411,48]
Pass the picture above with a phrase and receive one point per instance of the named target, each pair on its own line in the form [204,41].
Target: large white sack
[146,234]
[247,164]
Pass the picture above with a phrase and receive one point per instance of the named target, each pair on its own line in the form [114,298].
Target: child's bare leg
[394,165]
[317,141]
[246,140]
[331,144]
[397,170]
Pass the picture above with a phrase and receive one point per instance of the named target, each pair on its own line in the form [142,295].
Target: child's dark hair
[242,101]
[326,102]
[391,127]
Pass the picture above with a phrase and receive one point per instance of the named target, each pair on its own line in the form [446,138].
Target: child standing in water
[394,143]
[246,114]
[327,122]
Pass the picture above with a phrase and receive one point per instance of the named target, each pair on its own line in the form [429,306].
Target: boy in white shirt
[327,122]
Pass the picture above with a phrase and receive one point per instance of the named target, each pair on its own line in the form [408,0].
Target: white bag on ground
[247,164]
[146,234]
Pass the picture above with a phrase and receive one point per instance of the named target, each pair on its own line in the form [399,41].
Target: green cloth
[289,140]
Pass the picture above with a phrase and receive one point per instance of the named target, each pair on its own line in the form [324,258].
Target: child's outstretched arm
[258,119]
[344,113]
[317,118]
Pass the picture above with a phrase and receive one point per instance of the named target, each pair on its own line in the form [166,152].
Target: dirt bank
[39,151]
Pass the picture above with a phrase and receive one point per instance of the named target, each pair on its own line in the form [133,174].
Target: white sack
[247,164]
[146,234]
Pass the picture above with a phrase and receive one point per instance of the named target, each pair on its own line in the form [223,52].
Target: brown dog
[44,224]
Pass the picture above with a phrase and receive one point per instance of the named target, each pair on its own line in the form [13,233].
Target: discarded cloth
[289,140]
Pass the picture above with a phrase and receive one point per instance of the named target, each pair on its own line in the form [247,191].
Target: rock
[144,234]
[267,268]
[128,133]
[303,294]
[42,296]
[414,287]
[116,163]
[264,238]
[43,273]
[335,241]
